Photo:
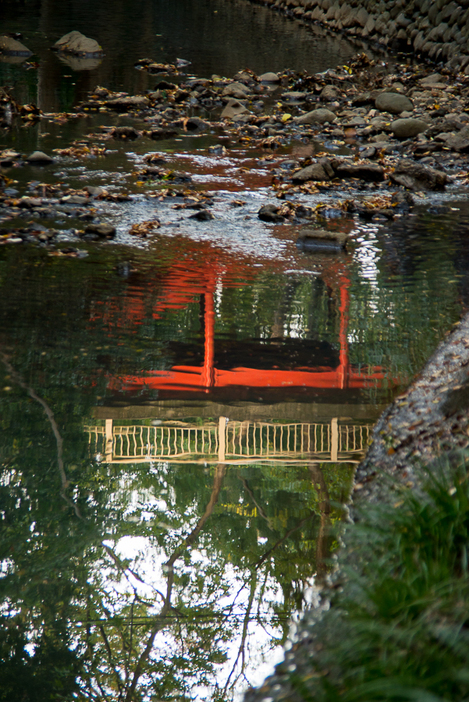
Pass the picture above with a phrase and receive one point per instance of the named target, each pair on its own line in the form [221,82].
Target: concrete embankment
[435,29]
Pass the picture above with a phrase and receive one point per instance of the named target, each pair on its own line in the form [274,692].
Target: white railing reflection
[229,441]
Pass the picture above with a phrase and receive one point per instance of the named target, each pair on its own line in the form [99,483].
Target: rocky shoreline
[383,133]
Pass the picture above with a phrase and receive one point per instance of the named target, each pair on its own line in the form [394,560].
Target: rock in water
[39,158]
[416,176]
[76,43]
[233,109]
[12,47]
[321,241]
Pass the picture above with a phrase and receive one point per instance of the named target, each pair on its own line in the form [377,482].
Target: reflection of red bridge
[183,284]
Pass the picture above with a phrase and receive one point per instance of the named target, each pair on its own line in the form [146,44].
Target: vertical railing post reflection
[208,375]
[109,440]
[221,439]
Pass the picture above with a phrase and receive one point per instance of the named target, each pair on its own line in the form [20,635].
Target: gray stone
[319,116]
[102,231]
[236,90]
[328,93]
[316,171]
[368,172]
[126,103]
[233,109]
[269,77]
[456,142]
[11,47]
[415,176]
[393,103]
[321,240]
[408,128]
[269,213]
[76,43]
[39,158]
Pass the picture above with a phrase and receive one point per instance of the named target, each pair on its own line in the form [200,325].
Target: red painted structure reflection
[182,285]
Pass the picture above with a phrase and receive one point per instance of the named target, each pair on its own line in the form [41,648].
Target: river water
[181,416]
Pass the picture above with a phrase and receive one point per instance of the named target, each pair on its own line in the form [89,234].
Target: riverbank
[389,626]
[427,30]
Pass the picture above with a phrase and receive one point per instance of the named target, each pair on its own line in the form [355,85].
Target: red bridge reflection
[196,276]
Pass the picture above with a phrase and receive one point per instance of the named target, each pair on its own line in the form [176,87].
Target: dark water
[180,416]
[217,37]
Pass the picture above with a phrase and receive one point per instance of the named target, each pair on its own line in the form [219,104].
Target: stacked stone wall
[434,29]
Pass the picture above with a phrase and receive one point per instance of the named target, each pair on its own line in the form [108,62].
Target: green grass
[398,625]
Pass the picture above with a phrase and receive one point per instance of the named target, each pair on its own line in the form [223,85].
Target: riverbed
[183,404]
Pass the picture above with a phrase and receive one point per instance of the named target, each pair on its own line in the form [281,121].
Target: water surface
[181,415]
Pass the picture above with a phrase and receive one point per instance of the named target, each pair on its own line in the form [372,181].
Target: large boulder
[416,176]
[395,103]
[77,44]
[12,47]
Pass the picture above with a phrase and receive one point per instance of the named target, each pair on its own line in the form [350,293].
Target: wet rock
[240,91]
[12,47]
[294,96]
[416,176]
[128,103]
[316,172]
[78,200]
[76,43]
[162,133]
[234,108]
[39,158]
[101,231]
[195,125]
[329,93]
[408,127]
[202,216]
[269,77]
[125,133]
[8,157]
[456,142]
[321,241]
[393,103]
[402,201]
[369,172]
[94,190]
[318,116]
[270,213]
[29,202]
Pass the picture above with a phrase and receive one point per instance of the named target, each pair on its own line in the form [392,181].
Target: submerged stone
[321,241]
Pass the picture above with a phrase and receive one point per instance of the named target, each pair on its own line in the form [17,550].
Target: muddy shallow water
[181,413]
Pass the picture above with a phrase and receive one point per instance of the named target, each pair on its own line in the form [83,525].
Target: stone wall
[434,29]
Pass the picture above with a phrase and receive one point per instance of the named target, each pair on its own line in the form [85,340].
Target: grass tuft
[398,625]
